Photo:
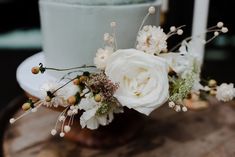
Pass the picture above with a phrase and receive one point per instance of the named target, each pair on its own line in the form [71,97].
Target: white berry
[152,10]
[177,108]
[67,128]
[62,134]
[216,33]
[224,29]
[171,104]
[12,120]
[184,109]
[180,32]
[62,118]
[172,28]
[53,132]
[220,24]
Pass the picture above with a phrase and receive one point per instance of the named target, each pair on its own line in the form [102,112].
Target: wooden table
[208,133]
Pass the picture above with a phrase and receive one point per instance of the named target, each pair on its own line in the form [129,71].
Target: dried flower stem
[80,67]
[141,26]
[64,85]
[198,36]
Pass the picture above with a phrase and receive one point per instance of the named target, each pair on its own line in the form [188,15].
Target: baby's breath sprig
[180,89]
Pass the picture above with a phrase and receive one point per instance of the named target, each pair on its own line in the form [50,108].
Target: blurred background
[20,37]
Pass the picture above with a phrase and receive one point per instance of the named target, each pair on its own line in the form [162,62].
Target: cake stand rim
[149,3]
[29,82]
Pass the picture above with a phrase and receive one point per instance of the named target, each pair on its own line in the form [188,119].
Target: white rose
[142,78]
[225,92]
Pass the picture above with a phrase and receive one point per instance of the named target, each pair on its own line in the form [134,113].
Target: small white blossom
[225,92]
[152,40]
[171,104]
[184,109]
[108,39]
[60,96]
[177,108]
[102,56]
[113,24]
[90,119]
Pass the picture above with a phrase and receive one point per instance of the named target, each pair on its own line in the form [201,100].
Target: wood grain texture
[208,133]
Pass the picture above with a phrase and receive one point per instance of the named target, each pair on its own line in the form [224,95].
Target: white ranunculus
[225,92]
[142,78]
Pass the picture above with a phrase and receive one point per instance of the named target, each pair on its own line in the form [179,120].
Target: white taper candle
[200,18]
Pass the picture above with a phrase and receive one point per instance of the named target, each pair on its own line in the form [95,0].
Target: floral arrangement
[142,78]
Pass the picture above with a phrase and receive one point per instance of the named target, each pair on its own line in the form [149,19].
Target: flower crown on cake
[142,78]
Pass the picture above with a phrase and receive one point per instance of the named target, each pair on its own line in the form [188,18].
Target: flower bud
[97,97]
[76,81]
[213,92]
[212,83]
[72,100]
[48,99]
[26,106]
[82,78]
[35,70]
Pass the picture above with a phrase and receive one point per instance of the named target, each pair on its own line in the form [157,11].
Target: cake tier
[101,2]
[72,33]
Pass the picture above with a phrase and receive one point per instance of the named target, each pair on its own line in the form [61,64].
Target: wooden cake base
[208,133]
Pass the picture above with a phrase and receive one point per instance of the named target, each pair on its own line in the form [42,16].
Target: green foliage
[180,88]
[103,109]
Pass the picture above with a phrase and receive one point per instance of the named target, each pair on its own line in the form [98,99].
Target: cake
[73,29]
[133,71]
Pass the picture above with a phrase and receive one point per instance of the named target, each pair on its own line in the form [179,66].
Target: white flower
[225,92]
[142,78]
[102,56]
[152,40]
[179,63]
[48,86]
[67,91]
[61,95]
[89,118]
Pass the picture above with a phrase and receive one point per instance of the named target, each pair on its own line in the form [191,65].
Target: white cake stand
[29,82]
